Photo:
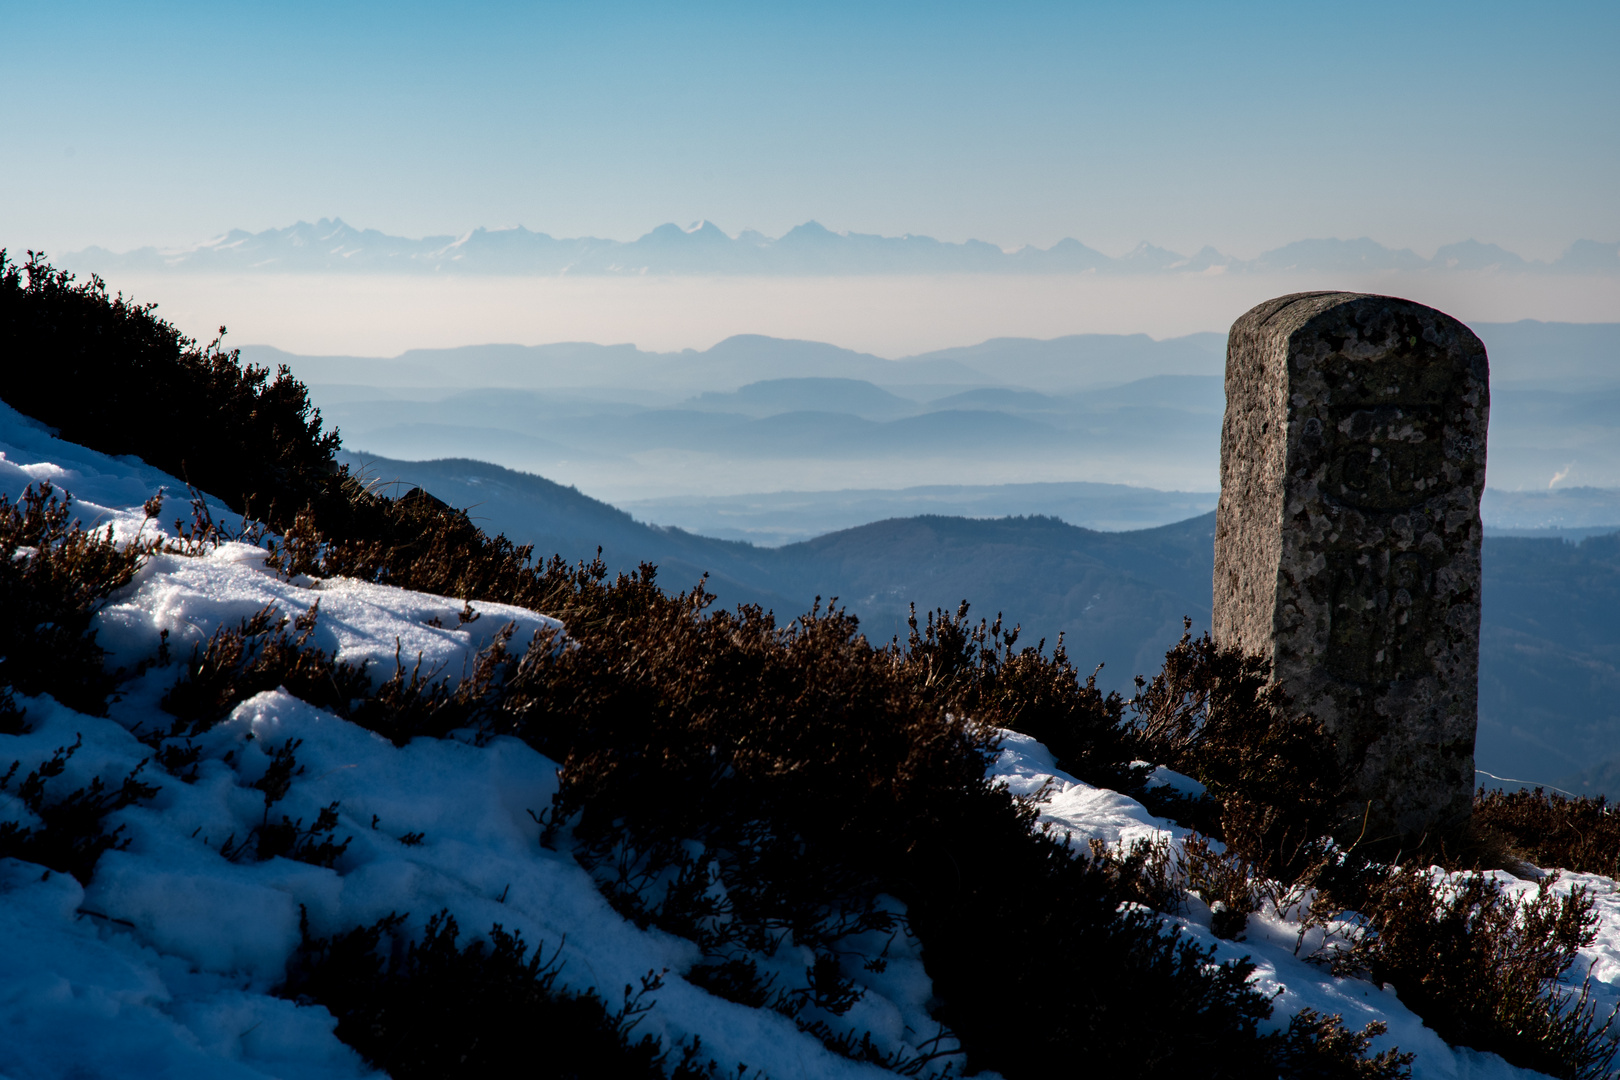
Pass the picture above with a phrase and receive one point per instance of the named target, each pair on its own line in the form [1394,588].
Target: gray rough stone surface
[1348,536]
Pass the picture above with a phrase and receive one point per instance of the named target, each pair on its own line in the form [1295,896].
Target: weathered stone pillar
[1348,536]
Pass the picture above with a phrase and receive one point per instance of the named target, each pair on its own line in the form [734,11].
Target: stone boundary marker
[1348,536]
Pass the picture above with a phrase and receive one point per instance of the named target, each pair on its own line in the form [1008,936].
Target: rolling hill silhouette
[1550,645]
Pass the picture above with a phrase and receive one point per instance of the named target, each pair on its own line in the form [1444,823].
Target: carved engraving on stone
[1348,536]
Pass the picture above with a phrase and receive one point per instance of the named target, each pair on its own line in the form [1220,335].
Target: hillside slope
[1119,598]
[1550,676]
[831,857]
[174,956]
[560,520]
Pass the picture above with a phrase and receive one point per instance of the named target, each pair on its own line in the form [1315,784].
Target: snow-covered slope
[1274,940]
[165,964]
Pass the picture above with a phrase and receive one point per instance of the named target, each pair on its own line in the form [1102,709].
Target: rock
[1347,541]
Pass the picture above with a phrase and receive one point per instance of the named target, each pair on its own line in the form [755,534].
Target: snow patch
[165,964]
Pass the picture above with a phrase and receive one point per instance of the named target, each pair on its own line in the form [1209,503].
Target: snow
[109,489]
[191,597]
[1274,941]
[169,957]
[1075,808]
[165,964]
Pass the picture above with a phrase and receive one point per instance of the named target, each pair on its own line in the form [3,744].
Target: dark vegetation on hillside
[410,1013]
[53,576]
[1549,829]
[737,781]
[1121,596]
[71,834]
[1549,660]
[1481,967]
[1214,715]
[195,412]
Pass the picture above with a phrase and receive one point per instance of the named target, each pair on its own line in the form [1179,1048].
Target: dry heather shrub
[53,576]
[1479,967]
[1483,968]
[1160,875]
[792,753]
[141,387]
[12,717]
[71,836]
[975,671]
[246,436]
[1580,834]
[287,838]
[260,654]
[1317,1047]
[816,773]
[1214,715]
[1035,961]
[415,542]
[256,656]
[435,1009]
[740,782]
[290,839]
[302,548]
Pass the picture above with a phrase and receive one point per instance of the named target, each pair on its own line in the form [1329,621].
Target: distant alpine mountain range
[809,249]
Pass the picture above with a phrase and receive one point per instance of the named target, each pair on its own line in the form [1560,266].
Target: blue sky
[1241,125]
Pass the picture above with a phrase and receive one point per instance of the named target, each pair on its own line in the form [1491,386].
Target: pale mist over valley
[787,469]
[1067,481]
[718,441]
[823,541]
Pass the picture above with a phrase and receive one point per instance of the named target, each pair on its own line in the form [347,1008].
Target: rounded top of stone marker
[1364,323]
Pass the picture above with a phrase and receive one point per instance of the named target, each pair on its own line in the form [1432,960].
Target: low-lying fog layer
[771,440]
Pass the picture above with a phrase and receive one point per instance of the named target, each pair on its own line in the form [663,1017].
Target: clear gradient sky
[1243,125]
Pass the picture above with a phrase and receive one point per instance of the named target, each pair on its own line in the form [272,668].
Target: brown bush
[1215,715]
[1317,1047]
[437,1009]
[805,773]
[141,387]
[1580,834]
[260,654]
[71,836]
[53,576]
[975,671]
[1482,967]
[793,754]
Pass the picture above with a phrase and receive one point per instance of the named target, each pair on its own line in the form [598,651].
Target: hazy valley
[791,470]
[681,437]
